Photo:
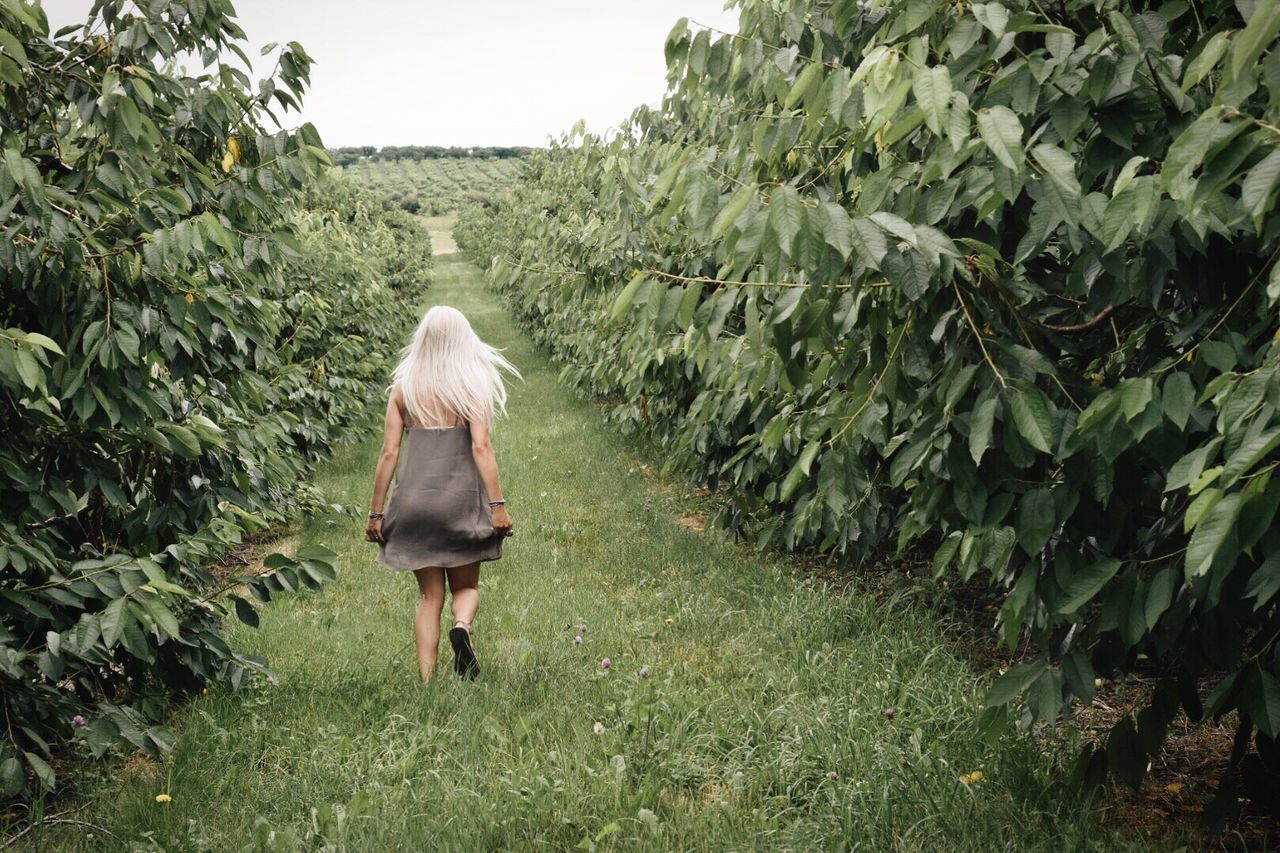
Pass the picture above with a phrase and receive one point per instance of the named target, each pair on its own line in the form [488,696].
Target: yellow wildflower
[163,798]
[670,620]
[970,778]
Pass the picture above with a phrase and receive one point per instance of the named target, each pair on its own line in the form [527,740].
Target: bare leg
[426,621]
[463,581]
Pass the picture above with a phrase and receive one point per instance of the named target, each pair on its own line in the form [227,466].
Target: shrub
[177,348]
[998,279]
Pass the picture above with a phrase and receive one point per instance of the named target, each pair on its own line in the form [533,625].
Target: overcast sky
[460,72]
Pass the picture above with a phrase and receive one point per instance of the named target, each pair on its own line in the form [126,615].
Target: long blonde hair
[446,362]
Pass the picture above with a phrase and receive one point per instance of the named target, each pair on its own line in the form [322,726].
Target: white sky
[463,72]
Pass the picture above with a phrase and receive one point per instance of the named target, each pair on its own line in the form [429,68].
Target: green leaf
[1258,186]
[1001,130]
[1188,150]
[1083,585]
[184,440]
[1013,682]
[837,231]
[43,771]
[12,779]
[9,44]
[37,339]
[980,428]
[1210,534]
[29,370]
[1135,396]
[800,470]
[1159,596]
[1188,469]
[733,208]
[805,80]
[1036,520]
[1178,398]
[1125,755]
[1127,173]
[1030,410]
[1250,452]
[1261,31]
[163,616]
[623,300]
[932,88]
[895,225]
[1060,167]
[247,613]
[1262,702]
[1264,583]
[1118,219]
[113,619]
[1205,60]
[993,16]
[1079,675]
[786,216]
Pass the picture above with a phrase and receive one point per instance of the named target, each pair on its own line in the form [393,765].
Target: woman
[447,514]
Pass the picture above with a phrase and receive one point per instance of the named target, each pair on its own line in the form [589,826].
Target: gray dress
[438,513]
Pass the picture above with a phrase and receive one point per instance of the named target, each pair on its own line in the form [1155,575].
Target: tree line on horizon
[354,153]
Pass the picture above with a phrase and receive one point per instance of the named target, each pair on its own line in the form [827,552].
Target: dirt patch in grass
[248,557]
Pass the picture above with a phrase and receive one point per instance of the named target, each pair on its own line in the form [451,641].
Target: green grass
[440,230]
[760,726]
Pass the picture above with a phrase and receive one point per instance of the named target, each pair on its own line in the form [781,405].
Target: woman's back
[440,417]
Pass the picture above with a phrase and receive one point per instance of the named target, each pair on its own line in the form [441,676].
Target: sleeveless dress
[438,513]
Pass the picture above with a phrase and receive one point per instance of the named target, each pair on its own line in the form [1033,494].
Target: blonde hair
[446,362]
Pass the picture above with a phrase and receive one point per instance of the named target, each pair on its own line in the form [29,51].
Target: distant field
[433,187]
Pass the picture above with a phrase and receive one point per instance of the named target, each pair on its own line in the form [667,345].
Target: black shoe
[464,657]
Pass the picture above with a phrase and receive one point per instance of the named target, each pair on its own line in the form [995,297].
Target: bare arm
[487,465]
[393,431]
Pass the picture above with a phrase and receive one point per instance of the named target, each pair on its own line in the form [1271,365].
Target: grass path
[760,725]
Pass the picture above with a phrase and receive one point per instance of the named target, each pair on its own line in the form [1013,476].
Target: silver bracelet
[495,503]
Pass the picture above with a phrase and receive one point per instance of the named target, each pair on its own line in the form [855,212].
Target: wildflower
[163,798]
[1097,684]
[598,728]
[577,641]
[605,663]
[670,620]
[889,713]
[77,721]
[970,778]
[644,672]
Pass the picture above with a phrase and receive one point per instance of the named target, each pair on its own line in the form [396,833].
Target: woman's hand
[502,520]
[374,531]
